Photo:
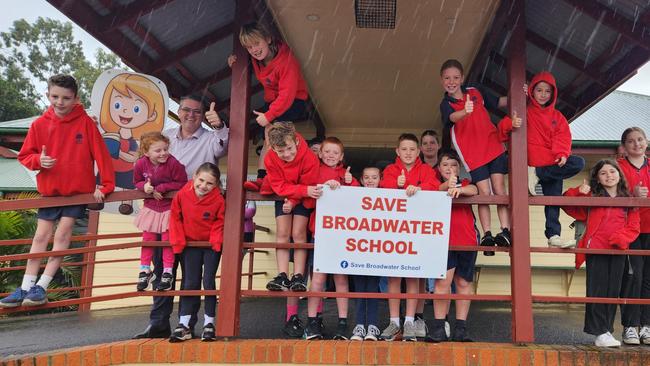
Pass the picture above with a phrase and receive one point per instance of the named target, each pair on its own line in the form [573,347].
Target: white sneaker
[532,181]
[373,333]
[358,333]
[556,241]
[607,340]
[447,329]
[630,336]
[644,334]
[420,328]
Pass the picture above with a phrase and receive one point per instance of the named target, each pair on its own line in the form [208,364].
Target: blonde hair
[149,138]
[147,90]
[279,132]
[252,31]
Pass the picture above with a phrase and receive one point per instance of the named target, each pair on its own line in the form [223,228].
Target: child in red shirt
[334,174]
[408,173]
[476,140]
[156,172]
[460,264]
[197,214]
[63,143]
[285,90]
[549,150]
[637,173]
[607,228]
[292,173]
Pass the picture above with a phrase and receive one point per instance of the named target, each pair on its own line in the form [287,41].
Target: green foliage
[47,47]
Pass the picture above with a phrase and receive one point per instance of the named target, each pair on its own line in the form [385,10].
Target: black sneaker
[180,334]
[319,316]
[144,279]
[460,335]
[503,238]
[293,327]
[313,330]
[298,283]
[437,332]
[165,283]
[279,283]
[208,333]
[341,330]
[488,241]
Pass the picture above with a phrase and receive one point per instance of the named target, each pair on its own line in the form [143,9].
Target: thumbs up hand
[261,119]
[516,121]
[640,190]
[348,176]
[287,206]
[401,180]
[148,188]
[212,117]
[584,187]
[45,160]
[469,105]
[453,181]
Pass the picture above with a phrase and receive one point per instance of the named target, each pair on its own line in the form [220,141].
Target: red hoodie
[607,227]
[282,81]
[420,175]
[549,136]
[635,176]
[76,144]
[196,219]
[291,179]
[326,173]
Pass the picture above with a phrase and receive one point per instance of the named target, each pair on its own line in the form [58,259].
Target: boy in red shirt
[460,264]
[292,174]
[63,141]
[408,173]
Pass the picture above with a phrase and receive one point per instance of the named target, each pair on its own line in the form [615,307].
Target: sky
[32,9]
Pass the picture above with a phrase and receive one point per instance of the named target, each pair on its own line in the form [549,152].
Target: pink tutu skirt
[152,221]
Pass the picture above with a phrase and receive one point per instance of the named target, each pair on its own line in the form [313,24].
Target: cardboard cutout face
[128,105]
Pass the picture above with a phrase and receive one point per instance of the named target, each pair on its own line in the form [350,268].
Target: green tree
[18,98]
[48,47]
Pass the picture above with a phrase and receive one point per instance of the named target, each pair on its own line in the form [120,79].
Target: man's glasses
[190,110]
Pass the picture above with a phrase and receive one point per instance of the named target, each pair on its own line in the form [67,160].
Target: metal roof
[15,177]
[608,118]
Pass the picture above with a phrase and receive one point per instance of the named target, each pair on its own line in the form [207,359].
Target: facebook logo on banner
[344,264]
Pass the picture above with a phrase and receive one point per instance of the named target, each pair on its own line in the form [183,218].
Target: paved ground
[262,318]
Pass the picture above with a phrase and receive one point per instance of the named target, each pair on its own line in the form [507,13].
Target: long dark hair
[597,190]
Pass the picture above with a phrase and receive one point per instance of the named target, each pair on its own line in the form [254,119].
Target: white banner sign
[382,232]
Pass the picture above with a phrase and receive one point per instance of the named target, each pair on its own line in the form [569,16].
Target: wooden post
[88,270]
[231,264]
[520,273]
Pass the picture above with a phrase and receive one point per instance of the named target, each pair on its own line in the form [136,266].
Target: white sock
[408,319]
[28,282]
[395,320]
[208,320]
[44,282]
[185,320]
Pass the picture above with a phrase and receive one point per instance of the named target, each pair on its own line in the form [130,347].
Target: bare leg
[443,286]
[43,234]
[499,188]
[61,242]
[412,287]
[299,234]
[265,148]
[283,231]
[484,210]
[394,288]
[462,306]
[341,283]
[317,284]
[422,290]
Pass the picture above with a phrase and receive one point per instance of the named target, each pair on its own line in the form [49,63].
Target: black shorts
[297,210]
[497,166]
[464,263]
[55,213]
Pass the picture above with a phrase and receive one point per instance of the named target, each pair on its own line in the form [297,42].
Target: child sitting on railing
[156,172]
[63,145]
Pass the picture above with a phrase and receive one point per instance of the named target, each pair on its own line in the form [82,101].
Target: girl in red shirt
[607,228]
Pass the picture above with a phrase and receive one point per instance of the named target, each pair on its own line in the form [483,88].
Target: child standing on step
[607,228]
[156,173]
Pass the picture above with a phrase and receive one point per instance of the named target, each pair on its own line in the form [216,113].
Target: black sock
[312,319]
[261,173]
[419,316]
[438,323]
[343,320]
[460,323]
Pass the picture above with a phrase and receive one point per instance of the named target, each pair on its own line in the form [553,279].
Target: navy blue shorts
[297,210]
[55,213]
[464,263]
[497,166]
